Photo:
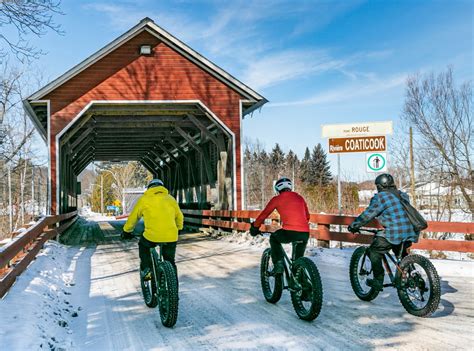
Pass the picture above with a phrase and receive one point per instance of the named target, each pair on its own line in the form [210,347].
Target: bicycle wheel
[419,288]
[360,269]
[149,290]
[307,298]
[167,294]
[272,285]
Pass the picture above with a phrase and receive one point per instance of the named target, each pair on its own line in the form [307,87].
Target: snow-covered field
[89,299]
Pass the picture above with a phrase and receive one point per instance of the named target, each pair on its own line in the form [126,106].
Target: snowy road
[221,305]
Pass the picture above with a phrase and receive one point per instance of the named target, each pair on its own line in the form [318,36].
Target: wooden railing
[321,228]
[18,254]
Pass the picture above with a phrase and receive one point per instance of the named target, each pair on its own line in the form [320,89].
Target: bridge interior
[181,143]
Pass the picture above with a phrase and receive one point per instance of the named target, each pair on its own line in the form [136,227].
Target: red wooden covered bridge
[147,97]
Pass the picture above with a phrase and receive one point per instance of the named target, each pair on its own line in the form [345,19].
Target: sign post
[368,137]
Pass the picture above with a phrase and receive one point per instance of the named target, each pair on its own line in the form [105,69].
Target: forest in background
[311,176]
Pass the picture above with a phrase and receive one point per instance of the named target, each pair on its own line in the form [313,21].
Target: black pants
[282,236]
[168,250]
[378,248]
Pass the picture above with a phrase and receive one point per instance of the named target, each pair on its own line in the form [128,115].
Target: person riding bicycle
[398,230]
[163,219]
[294,217]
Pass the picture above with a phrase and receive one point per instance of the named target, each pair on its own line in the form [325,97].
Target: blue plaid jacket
[386,207]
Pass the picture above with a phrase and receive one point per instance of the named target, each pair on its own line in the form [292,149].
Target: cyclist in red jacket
[294,216]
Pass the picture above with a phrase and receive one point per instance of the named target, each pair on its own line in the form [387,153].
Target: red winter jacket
[294,214]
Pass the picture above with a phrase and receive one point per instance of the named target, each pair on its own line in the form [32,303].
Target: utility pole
[123,201]
[102,194]
[33,212]
[10,205]
[412,170]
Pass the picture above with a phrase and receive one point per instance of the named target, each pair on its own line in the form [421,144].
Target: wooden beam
[172,157]
[71,132]
[85,134]
[188,138]
[205,131]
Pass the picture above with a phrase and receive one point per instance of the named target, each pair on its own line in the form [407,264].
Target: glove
[353,228]
[126,236]
[254,231]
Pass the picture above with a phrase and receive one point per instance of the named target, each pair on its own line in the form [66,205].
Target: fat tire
[299,266]
[275,295]
[354,273]
[151,298]
[434,284]
[167,275]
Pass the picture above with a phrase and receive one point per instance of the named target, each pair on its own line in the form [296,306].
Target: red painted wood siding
[125,75]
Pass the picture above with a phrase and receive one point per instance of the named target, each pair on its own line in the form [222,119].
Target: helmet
[384,181]
[282,184]
[154,182]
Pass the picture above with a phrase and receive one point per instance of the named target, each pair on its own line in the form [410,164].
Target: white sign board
[376,162]
[356,129]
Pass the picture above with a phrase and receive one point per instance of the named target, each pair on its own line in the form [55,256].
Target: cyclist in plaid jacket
[386,207]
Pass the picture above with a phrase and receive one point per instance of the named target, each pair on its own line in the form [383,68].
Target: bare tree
[26,17]
[441,114]
[18,155]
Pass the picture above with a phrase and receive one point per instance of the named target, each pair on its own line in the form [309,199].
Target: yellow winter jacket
[161,215]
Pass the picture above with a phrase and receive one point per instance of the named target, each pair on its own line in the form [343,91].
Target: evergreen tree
[319,167]
[277,161]
[304,169]
[292,166]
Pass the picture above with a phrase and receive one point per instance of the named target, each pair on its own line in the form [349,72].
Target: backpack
[415,217]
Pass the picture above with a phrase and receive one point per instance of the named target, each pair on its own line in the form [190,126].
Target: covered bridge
[147,97]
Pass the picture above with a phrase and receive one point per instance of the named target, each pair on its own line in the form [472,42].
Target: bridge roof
[252,99]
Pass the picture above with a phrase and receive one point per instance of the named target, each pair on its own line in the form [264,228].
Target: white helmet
[283,183]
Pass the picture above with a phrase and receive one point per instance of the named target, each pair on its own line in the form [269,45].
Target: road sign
[376,162]
[357,129]
[361,144]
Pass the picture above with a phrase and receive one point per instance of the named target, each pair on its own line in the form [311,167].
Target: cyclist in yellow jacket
[163,219]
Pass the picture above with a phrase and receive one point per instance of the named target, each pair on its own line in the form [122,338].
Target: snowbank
[44,294]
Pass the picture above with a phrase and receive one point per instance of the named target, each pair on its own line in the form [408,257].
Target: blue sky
[317,62]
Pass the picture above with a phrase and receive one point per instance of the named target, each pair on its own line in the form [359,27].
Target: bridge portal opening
[181,143]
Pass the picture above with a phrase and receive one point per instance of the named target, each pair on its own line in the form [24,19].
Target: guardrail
[321,228]
[18,254]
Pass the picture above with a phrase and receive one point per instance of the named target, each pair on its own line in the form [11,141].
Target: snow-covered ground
[43,309]
[89,299]
[94,216]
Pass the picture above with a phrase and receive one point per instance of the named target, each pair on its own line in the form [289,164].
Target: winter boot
[375,284]
[278,268]
[146,274]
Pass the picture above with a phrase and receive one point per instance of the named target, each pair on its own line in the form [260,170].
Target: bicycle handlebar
[373,231]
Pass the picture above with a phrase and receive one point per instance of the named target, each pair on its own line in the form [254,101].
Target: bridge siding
[125,75]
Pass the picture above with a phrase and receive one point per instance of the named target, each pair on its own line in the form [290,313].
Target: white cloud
[282,66]
[348,92]
[235,36]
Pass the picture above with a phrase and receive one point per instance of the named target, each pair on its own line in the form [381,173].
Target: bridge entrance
[147,97]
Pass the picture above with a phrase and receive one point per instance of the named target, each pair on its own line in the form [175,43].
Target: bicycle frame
[160,258]
[393,277]
[288,264]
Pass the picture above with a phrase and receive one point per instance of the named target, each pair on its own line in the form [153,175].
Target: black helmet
[384,181]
